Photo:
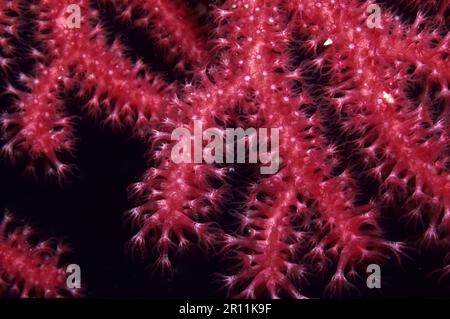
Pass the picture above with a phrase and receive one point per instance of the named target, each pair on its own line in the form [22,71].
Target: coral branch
[173,26]
[9,26]
[39,126]
[30,270]
[80,54]
[177,209]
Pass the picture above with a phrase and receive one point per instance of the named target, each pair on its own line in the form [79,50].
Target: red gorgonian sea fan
[362,113]
[30,270]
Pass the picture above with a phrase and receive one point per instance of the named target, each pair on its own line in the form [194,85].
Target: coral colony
[321,98]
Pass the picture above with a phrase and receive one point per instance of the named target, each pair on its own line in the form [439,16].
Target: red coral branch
[30,270]
[173,26]
[39,125]
[306,170]
[400,140]
[387,86]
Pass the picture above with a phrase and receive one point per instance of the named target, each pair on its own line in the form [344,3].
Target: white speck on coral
[328,42]
[388,98]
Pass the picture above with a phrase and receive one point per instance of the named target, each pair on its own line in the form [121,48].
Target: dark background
[87,210]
